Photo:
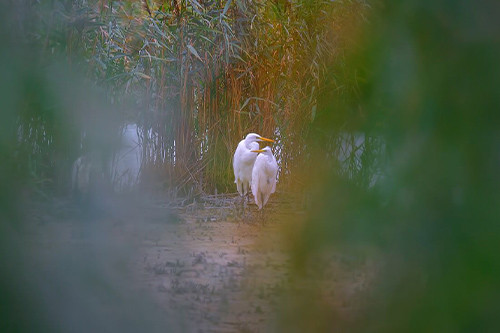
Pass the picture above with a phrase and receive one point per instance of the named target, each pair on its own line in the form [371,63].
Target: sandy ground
[225,273]
[207,264]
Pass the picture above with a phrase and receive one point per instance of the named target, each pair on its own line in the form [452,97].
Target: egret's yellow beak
[258,151]
[265,139]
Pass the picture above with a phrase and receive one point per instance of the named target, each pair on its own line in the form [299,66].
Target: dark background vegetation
[417,80]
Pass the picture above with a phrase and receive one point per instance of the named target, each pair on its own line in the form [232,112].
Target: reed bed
[196,77]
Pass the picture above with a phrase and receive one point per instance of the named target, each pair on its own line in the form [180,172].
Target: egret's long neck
[248,144]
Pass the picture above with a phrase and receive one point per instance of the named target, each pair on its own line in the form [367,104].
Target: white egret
[243,161]
[80,178]
[264,174]
[87,177]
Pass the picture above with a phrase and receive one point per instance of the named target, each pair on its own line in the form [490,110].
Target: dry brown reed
[197,76]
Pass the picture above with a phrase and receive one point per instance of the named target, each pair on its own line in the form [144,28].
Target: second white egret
[264,174]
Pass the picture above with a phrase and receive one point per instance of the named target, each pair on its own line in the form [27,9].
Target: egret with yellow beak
[264,174]
[243,161]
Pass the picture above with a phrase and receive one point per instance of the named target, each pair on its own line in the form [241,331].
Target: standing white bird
[264,174]
[243,161]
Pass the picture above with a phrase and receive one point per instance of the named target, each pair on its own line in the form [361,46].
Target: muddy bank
[206,266]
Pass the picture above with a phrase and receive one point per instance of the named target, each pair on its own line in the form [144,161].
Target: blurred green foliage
[428,80]
[45,106]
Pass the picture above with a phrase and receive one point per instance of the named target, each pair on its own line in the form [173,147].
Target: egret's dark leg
[244,205]
[261,213]
[239,205]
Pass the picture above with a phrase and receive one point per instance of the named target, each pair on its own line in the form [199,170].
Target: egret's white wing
[274,167]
